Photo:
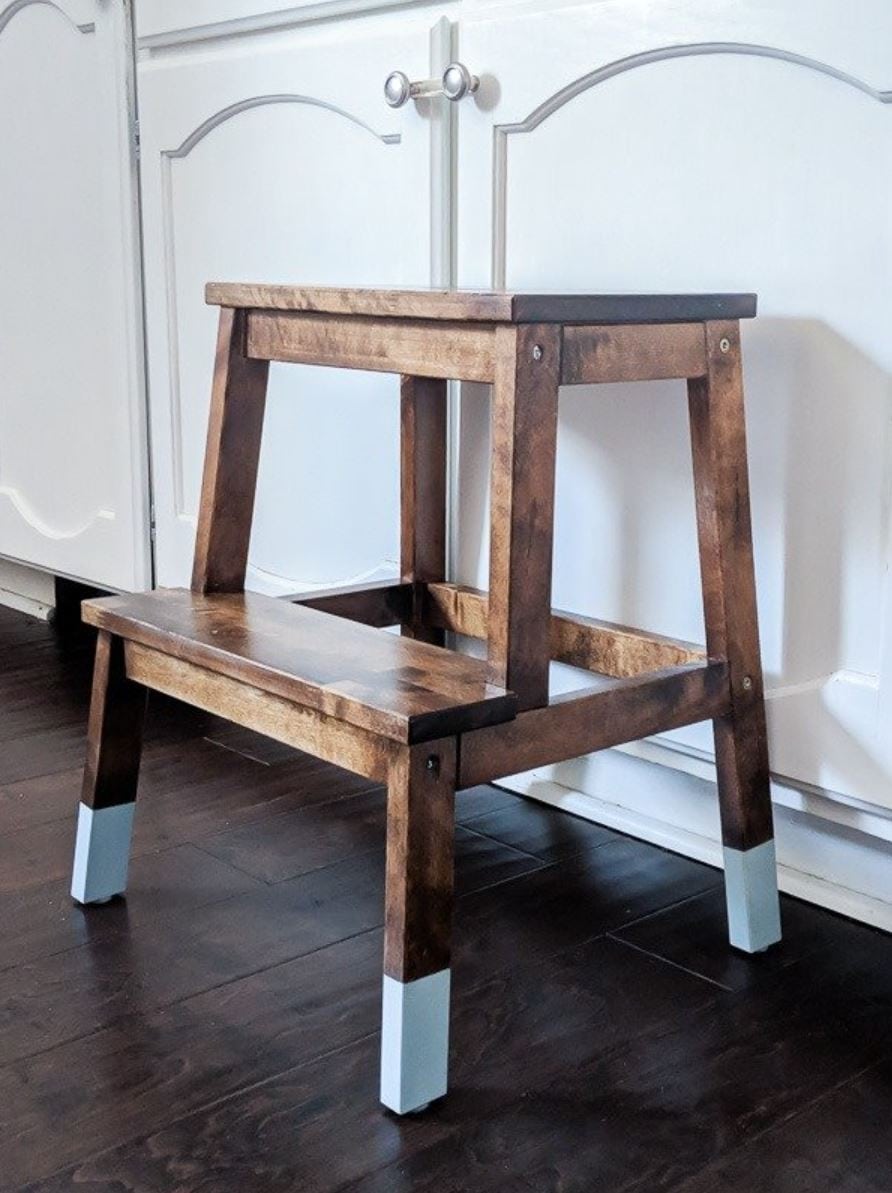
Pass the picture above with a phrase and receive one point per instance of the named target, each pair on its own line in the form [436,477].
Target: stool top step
[486,306]
[393,687]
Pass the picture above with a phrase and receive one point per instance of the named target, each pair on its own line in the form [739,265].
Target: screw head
[747,682]
[537,352]
[725,344]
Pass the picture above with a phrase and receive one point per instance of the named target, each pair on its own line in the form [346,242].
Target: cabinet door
[274,158]
[710,146]
[73,492]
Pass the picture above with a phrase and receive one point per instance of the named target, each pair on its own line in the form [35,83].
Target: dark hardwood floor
[218,1030]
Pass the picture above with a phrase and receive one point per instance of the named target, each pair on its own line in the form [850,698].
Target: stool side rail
[590,354]
[583,722]
[413,347]
[596,355]
[381,604]
[585,642]
[326,737]
[578,641]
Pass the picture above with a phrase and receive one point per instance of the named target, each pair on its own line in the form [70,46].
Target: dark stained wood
[594,355]
[840,1142]
[238,399]
[277,717]
[420,869]
[380,604]
[718,437]
[278,848]
[394,687]
[495,306]
[542,831]
[584,642]
[117,711]
[695,937]
[521,495]
[423,451]
[419,347]
[582,722]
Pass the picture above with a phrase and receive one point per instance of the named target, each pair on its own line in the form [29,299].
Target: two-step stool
[318,673]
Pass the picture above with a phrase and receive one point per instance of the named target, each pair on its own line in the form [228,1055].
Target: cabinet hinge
[137,148]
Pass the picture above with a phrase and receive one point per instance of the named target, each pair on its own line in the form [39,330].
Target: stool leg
[418,926]
[105,815]
[718,435]
[423,450]
[521,493]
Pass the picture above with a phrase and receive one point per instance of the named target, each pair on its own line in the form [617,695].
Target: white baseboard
[26,589]
[820,859]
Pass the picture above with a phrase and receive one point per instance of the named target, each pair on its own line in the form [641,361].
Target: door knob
[456,83]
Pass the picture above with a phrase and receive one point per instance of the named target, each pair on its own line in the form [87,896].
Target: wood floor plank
[694,935]
[841,1142]
[717,1079]
[475,801]
[136,958]
[542,831]
[281,847]
[187,791]
[561,906]
[40,921]
[510,1037]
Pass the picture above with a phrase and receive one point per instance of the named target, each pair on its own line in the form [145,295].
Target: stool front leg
[718,434]
[114,745]
[418,925]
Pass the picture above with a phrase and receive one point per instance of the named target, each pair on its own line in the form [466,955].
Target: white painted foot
[751,895]
[101,853]
[414,1041]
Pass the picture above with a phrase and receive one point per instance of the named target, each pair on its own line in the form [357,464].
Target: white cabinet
[613,145]
[73,458]
[710,146]
[274,158]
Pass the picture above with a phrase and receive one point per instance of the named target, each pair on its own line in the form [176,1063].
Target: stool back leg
[232,454]
[418,925]
[524,442]
[423,450]
[114,745]
[718,436]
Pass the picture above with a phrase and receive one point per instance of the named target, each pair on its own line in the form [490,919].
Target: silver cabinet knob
[397,88]
[457,82]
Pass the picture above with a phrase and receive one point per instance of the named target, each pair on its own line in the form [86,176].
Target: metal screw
[433,764]
[725,344]
[537,352]
[747,682]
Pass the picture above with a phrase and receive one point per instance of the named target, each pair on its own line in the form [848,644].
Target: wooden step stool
[319,674]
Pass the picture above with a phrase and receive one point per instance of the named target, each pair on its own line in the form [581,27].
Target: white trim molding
[823,861]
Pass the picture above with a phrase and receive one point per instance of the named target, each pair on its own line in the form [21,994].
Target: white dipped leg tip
[101,853]
[751,896]
[414,1042]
